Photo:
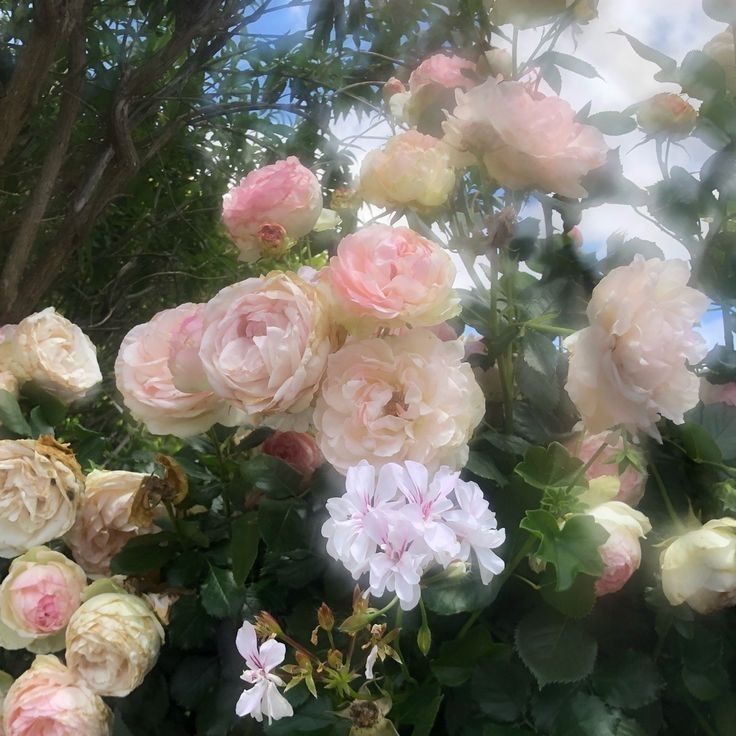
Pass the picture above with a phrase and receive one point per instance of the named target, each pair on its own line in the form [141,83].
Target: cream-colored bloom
[630,366]
[112,642]
[667,115]
[9,383]
[103,524]
[409,397]
[411,170]
[40,486]
[48,699]
[721,49]
[52,352]
[699,567]
[41,591]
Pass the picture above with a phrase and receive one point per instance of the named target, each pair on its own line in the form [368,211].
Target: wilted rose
[381,401]
[53,353]
[630,366]
[271,208]
[699,567]
[48,700]
[40,487]
[411,170]
[104,523]
[525,140]
[112,642]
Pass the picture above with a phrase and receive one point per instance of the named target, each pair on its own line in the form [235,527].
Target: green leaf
[666,63]
[274,477]
[571,550]
[550,467]
[144,554]
[11,416]
[585,715]
[719,421]
[707,684]
[551,75]
[481,463]
[190,626]
[501,688]
[456,659]
[716,269]
[576,602]
[537,370]
[244,545]
[449,595]
[192,679]
[698,444]
[493,729]
[221,596]
[39,424]
[281,524]
[701,76]
[630,681]
[555,648]
[612,123]
[569,62]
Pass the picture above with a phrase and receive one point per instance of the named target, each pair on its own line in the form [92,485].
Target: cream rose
[48,699]
[411,170]
[104,523]
[52,352]
[391,399]
[386,276]
[525,140]
[271,208]
[630,366]
[112,643]
[40,487]
[667,115]
[37,598]
[143,372]
[699,567]
[721,49]
[621,552]
[266,342]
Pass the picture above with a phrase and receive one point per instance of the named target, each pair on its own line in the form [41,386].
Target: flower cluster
[395,523]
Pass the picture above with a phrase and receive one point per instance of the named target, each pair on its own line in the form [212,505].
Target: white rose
[112,643]
[55,354]
[630,367]
[699,567]
[40,486]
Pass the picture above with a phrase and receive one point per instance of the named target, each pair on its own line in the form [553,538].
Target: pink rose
[525,140]
[621,552]
[104,523]
[144,377]
[299,449]
[283,199]
[266,342]
[441,70]
[187,373]
[408,397]
[393,87]
[632,482]
[411,170]
[48,699]
[717,393]
[630,367]
[37,598]
[391,276]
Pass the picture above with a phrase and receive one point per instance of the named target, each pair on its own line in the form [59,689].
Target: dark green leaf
[450,594]
[698,444]
[550,467]
[719,420]
[193,678]
[612,123]
[456,659]
[501,688]
[244,545]
[629,681]
[481,463]
[585,715]
[221,597]
[281,524]
[569,62]
[11,416]
[143,554]
[190,625]
[272,476]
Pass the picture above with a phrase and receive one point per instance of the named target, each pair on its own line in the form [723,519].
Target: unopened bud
[267,625]
[272,238]
[325,617]
[334,659]
[424,639]
[667,115]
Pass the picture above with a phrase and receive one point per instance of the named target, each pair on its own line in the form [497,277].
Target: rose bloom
[48,700]
[112,643]
[52,352]
[525,140]
[266,342]
[717,393]
[103,524]
[667,115]
[144,378]
[411,170]
[621,552]
[37,598]
[391,276]
[299,449]
[630,366]
[721,49]
[409,397]
[40,487]
[699,567]
[632,481]
[271,207]
[499,62]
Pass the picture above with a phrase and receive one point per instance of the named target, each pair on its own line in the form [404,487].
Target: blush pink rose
[632,481]
[48,700]
[144,378]
[299,449]
[184,363]
[265,343]
[442,70]
[525,140]
[621,552]
[630,367]
[271,207]
[390,399]
[717,393]
[411,170]
[389,277]
[40,593]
